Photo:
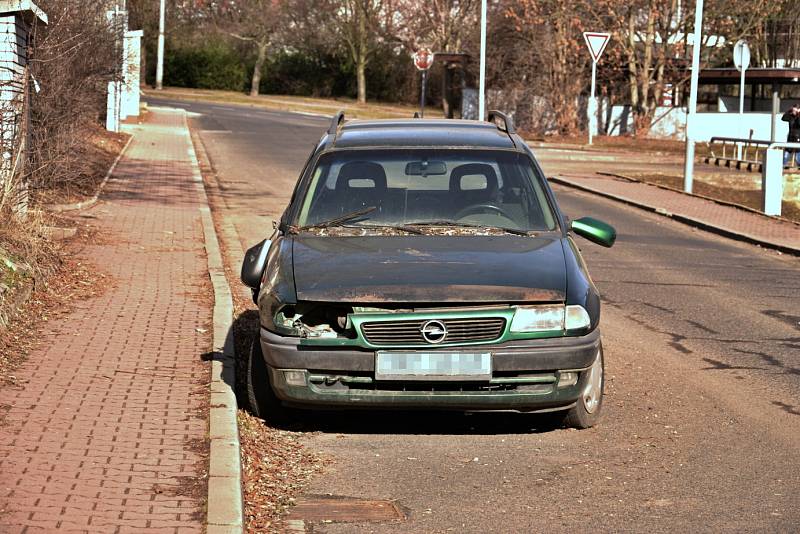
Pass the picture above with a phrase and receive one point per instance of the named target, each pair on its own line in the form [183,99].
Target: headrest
[470,169]
[361,170]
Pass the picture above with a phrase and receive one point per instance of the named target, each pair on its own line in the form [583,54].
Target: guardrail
[772,175]
[737,151]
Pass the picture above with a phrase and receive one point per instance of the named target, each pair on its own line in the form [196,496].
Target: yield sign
[597,43]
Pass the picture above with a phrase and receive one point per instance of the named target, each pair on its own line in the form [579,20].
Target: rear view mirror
[255,259]
[594,230]
[425,168]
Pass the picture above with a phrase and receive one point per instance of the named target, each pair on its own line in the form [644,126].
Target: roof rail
[508,122]
[338,119]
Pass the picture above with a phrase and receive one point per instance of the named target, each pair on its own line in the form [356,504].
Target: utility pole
[688,164]
[482,85]
[160,63]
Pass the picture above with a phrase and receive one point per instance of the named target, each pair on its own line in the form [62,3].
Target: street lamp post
[688,169]
[160,63]
[482,84]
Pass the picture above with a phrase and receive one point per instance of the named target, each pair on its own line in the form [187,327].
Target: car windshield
[466,188]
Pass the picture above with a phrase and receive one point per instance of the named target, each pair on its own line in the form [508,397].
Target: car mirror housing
[594,230]
[255,260]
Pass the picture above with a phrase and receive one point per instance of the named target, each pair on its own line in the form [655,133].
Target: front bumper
[525,376]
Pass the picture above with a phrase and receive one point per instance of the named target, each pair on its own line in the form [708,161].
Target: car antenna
[338,119]
[508,123]
[416,114]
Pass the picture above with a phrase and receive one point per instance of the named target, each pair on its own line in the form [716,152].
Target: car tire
[263,402]
[586,412]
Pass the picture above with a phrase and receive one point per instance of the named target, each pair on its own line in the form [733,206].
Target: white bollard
[772,181]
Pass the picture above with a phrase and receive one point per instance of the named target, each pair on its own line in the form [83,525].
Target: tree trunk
[260,60]
[361,78]
[361,60]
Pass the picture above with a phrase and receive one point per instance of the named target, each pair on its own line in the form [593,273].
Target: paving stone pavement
[108,432]
[752,225]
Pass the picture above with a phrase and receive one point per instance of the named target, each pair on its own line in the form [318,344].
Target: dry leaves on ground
[275,467]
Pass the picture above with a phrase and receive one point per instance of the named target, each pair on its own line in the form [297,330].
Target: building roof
[730,75]
[27,7]
[422,132]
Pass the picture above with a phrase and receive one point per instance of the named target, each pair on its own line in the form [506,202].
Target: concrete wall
[670,123]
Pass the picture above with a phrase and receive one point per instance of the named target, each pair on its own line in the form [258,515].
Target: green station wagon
[424,264]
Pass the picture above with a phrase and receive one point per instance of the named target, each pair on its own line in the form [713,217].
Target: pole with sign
[688,162]
[596,42]
[741,59]
[423,60]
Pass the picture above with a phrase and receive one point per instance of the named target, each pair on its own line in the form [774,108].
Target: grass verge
[321,106]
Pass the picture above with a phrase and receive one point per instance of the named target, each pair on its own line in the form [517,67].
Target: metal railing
[738,152]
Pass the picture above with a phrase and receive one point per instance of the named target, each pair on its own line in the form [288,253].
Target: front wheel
[586,411]
[261,398]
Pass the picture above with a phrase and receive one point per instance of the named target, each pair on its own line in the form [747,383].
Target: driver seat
[463,198]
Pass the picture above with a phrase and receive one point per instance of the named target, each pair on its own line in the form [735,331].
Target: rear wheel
[586,411]
[260,396]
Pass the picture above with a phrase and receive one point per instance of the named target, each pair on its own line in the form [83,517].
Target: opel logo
[434,331]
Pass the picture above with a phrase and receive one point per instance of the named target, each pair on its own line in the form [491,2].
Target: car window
[498,188]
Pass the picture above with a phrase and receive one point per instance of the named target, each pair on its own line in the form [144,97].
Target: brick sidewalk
[109,431]
[728,220]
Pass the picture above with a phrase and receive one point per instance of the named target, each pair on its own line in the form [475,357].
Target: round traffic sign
[423,58]
[741,55]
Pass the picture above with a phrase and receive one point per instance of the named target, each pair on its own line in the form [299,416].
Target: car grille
[410,332]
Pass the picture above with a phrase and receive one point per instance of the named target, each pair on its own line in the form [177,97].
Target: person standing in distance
[792,116]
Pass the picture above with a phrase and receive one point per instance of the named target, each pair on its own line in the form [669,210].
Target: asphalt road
[701,422]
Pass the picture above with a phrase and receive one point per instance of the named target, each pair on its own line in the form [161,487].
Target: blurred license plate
[433,366]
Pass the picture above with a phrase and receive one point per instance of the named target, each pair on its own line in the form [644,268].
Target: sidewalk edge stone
[691,221]
[225,506]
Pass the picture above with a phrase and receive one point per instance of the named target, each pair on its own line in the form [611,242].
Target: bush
[213,65]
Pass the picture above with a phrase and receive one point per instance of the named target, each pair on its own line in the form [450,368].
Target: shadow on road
[361,421]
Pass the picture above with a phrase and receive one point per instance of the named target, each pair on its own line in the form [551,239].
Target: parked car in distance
[425,264]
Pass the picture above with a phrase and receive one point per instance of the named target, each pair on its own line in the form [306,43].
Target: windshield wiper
[339,221]
[458,224]
[403,227]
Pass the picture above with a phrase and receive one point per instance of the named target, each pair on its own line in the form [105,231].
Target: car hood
[431,269]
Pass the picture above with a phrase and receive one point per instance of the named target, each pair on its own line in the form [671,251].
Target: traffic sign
[741,55]
[597,43]
[423,58]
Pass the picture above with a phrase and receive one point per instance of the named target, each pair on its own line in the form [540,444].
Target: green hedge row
[219,65]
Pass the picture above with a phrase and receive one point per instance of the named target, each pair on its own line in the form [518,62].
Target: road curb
[691,221]
[59,208]
[225,505]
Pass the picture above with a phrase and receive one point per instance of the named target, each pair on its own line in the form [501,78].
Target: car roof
[421,132]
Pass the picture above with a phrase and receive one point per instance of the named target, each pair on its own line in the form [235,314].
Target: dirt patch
[60,282]
[97,154]
[740,192]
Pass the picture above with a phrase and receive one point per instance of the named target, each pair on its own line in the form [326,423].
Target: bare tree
[74,58]
[359,26]
[252,21]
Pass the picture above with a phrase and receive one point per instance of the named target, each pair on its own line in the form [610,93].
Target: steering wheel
[480,208]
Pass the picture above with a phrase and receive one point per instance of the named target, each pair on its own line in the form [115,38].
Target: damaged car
[425,264]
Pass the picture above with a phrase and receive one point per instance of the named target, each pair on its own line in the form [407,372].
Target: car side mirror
[594,230]
[255,260]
